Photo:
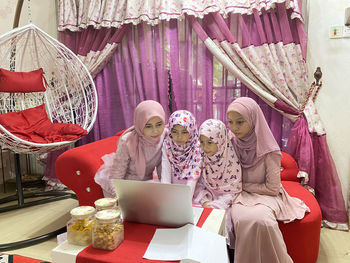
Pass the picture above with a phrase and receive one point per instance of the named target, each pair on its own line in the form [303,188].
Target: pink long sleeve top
[262,185]
[119,165]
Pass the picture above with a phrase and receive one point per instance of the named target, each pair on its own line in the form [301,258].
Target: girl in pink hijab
[221,179]
[263,201]
[139,149]
[181,150]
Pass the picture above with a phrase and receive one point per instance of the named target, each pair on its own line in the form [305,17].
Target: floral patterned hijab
[185,160]
[222,171]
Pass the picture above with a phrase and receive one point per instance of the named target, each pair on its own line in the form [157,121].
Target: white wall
[333,101]
[43,14]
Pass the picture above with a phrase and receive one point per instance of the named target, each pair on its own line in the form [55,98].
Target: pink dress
[263,202]
[256,210]
[119,165]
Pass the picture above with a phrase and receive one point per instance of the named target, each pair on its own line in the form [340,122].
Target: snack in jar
[108,231]
[105,203]
[79,227]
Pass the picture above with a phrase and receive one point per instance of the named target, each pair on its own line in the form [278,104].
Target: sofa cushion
[302,237]
[289,168]
[23,82]
[34,125]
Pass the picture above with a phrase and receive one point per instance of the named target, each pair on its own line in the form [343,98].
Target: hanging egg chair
[66,91]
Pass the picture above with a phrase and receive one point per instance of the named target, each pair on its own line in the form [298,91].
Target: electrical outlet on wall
[336,31]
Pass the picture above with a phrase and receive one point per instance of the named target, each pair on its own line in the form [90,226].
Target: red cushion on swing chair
[34,125]
[23,82]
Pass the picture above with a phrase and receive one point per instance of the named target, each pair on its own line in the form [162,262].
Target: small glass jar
[108,231]
[105,204]
[79,228]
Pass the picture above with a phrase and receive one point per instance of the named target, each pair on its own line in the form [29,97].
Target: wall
[43,14]
[333,56]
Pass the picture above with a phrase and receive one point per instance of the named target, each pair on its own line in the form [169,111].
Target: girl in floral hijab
[221,180]
[181,150]
[221,170]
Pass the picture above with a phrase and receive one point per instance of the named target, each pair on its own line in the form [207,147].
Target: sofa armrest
[289,168]
[76,168]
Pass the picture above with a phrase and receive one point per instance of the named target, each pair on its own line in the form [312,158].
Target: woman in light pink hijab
[221,179]
[139,149]
[263,201]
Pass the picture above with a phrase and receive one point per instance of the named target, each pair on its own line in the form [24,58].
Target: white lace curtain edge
[76,15]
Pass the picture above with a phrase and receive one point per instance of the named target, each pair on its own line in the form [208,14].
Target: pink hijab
[185,160]
[136,140]
[222,171]
[260,140]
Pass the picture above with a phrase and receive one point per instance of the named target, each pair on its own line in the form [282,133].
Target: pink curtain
[265,51]
[136,71]
[95,48]
[198,79]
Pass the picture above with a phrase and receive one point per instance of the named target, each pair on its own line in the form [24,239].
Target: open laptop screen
[154,203]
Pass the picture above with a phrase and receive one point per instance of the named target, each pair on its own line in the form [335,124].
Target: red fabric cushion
[23,82]
[289,168]
[34,125]
[302,237]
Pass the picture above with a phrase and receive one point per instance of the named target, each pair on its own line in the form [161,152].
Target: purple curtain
[199,80]
[137,71]
[309,150]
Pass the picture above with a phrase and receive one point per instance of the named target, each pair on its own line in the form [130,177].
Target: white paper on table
[187,242]
[197,212]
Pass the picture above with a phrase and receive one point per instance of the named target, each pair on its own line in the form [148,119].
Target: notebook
[155,203]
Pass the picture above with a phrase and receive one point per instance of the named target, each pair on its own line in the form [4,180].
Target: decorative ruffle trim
[75,15]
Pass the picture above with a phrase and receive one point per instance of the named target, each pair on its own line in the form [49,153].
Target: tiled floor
[29,222]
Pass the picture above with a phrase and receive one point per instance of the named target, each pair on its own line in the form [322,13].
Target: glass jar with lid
[105,203]
[79,228]
[108,231]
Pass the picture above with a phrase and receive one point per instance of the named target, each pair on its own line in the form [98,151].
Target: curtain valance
[75,15]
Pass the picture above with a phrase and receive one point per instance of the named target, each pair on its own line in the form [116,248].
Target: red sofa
[76,169]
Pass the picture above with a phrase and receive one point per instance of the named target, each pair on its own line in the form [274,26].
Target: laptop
[155,203]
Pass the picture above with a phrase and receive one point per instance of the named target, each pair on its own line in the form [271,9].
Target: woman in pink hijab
[263,201]
[139,149]
[221,179]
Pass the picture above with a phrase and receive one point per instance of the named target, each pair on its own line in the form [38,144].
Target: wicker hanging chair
[70,95]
